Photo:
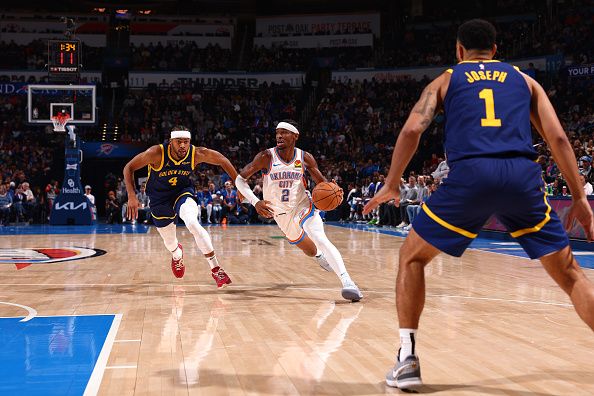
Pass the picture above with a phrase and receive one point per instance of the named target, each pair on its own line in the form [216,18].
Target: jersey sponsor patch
[298,164]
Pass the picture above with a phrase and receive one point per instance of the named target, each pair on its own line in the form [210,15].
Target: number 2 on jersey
[285,195]
[487,95]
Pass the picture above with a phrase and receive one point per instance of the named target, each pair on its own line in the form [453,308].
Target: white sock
[213,262]
[345,278]
[407,343]
[314,227]
[177,253]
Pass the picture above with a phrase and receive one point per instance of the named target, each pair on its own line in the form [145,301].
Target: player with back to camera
[287,200]
[171,193]
[488,109]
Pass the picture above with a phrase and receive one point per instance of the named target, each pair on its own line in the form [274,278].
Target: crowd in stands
[300,59]
[184,57]
[351,136]
[25,165]
[359,120]
[434,46]
[234,122]
[426,44]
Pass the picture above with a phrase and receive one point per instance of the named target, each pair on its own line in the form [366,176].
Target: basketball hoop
[59,121]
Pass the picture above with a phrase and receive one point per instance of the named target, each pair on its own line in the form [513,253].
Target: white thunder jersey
[284,187]
[284,184]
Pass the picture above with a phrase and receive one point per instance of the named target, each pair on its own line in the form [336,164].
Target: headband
[181,135]
[287,126]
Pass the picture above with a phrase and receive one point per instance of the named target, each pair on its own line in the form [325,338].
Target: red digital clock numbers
[63,58]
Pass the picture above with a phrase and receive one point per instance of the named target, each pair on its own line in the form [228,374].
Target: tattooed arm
[408,141]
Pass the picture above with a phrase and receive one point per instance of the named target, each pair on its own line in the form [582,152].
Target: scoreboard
[64,58]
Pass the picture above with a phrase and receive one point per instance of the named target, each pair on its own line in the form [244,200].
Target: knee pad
[168,235]
[189,214]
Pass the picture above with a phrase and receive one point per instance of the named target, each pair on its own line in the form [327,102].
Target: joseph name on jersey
[487,109]
[284,182]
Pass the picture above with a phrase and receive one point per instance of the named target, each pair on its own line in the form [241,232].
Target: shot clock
[64,59]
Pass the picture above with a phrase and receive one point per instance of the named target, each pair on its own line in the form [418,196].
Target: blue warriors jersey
[487,111]
[171,178]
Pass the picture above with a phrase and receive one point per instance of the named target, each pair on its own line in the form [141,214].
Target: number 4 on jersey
[487,95]
[173,181]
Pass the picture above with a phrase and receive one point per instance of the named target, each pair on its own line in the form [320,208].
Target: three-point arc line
[32,312]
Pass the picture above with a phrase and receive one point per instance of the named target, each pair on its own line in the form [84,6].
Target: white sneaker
[403,224]
[350,291]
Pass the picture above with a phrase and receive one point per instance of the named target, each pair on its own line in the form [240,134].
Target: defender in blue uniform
[488,108]
[172,194]
[169,185]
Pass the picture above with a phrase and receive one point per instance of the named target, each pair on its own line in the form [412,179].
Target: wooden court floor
[492,325]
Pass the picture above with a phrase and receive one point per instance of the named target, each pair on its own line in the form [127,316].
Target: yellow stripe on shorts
[537,227]
[447,225]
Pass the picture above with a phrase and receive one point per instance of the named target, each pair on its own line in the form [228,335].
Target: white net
[60,122]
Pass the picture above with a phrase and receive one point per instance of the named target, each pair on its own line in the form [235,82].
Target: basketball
[327,196]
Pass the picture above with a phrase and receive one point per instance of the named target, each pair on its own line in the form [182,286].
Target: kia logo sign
[70,206]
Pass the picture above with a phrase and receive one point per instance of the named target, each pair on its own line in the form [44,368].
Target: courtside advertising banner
[318,25]
[335,41]
[581,71]
[561,206]
[165,80]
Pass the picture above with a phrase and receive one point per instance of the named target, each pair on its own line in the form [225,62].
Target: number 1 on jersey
[490,121]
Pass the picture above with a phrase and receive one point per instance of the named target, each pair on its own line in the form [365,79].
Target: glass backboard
[45,101]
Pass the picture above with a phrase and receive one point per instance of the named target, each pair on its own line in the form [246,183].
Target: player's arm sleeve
[245,190]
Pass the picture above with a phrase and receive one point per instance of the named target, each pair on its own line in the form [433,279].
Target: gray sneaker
[324,263]
[406,374]
[350,291]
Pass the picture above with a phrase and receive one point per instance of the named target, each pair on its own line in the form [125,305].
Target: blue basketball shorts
[166,211]
[477,188]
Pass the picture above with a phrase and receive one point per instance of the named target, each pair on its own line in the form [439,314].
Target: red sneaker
[220,277]
[177,266]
